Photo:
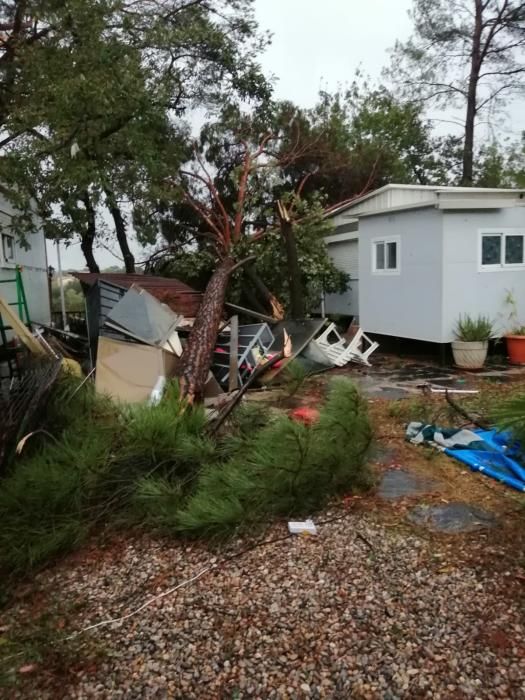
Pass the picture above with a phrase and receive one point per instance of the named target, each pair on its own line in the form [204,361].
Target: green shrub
[286,469]
[469,329]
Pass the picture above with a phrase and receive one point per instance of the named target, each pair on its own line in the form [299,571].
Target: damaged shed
[103,291]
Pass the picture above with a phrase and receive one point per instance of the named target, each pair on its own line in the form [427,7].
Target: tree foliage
[95,115]
[464,53]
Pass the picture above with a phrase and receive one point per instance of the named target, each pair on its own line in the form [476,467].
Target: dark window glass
[491,249]
[380,256]
[391,255]
[513,250]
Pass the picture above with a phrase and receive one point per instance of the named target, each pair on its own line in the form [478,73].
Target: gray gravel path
[323,617]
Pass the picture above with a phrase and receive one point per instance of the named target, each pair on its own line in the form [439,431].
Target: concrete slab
[452,518]
[398,483]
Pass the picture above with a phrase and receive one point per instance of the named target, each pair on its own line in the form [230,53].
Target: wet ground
[393,378]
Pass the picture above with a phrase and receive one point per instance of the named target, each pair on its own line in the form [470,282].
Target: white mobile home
[419,256]
[33,262]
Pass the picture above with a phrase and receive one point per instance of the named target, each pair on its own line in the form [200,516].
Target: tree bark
[197,356]
[297,307]
[120,229]
[472,96]
[87,237]
[272,303]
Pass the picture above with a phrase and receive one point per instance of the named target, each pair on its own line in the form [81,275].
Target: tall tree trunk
[297,307]
[272,303]
[197,356]
[120,230]
[88,235]
[472,95]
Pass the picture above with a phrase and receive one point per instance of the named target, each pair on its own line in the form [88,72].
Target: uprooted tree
[238,188]
[236,219]
[225,230]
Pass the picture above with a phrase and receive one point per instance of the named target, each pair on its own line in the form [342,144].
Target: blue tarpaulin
[495,456]
[493,453]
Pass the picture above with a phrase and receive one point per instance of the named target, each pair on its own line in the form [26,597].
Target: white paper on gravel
[302,527]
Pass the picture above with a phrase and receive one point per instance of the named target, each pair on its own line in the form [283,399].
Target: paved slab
[452,517]
[398,483]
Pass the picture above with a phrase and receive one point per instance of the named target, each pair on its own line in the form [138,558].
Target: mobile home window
[502,250]
[8,248]
[385,255]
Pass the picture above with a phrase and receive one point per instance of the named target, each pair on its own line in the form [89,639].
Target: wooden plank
[20,329]
[233,378]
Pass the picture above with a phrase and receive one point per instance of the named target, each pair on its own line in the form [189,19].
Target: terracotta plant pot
[471,354]
[516,349]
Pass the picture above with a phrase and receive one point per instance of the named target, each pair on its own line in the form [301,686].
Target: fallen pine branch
[463,412]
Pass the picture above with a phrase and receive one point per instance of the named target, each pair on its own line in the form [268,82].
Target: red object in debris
[305,414]
[275,365]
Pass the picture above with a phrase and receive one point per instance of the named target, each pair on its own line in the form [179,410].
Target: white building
[33,262]
[419,256]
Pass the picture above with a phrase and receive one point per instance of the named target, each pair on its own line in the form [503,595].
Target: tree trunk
[472,96]
[87,238]
[197,356]
[272,303]
[120,230]
[297,307]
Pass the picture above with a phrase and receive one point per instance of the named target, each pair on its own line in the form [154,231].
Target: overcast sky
[316,44]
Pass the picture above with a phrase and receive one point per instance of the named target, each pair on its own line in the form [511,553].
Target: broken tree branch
[463,412]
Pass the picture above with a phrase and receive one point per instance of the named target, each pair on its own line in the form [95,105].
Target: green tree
[465,54]
[97,101]
[357,141]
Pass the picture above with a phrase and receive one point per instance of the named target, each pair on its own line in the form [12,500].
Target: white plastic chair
[340,352]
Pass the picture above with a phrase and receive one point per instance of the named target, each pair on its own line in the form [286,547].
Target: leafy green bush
[469,329]
[286,469]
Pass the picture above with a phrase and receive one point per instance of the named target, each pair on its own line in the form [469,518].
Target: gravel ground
[387,614]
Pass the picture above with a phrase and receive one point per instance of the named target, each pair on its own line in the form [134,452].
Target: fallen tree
[235,218]
[227,228]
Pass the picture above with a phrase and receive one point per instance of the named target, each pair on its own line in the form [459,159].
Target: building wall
[34,273]
[345,255]
[408,304]
[466,288]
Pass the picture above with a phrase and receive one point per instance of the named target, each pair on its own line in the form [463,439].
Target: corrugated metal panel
[178,296]
[346,257]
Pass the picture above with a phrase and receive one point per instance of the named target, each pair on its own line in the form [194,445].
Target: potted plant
[516,336]
[472,341]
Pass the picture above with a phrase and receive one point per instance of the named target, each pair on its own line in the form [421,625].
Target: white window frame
[7,263]
[386,240]
[502,265]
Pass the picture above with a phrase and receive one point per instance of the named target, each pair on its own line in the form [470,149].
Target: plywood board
[128,371]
